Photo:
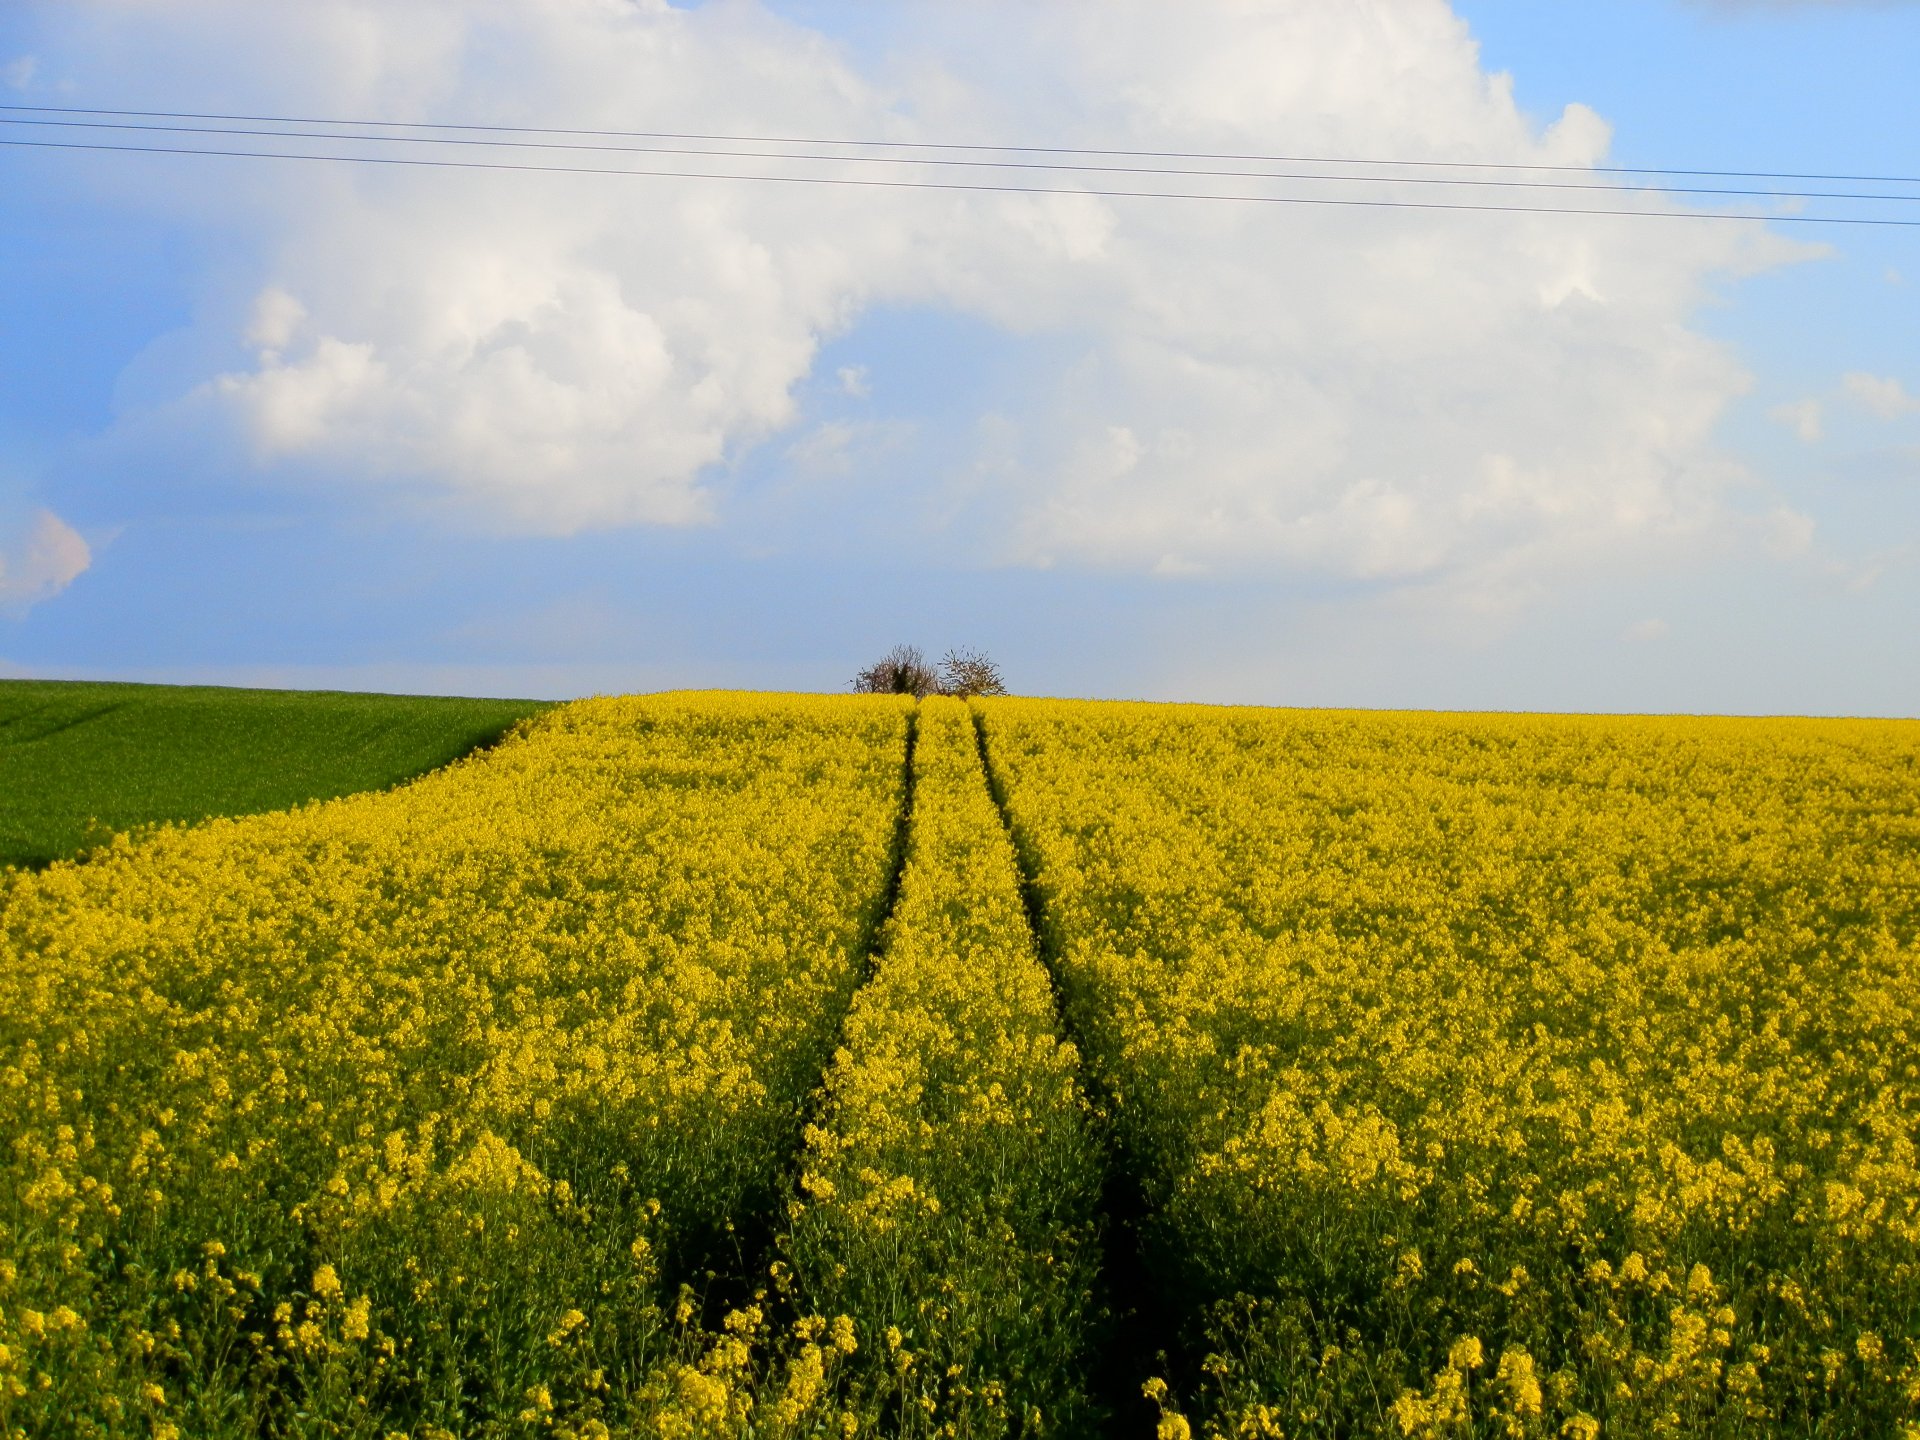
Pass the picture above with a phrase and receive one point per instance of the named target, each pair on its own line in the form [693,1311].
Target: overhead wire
[1187,172]
[955,145]
[896,183]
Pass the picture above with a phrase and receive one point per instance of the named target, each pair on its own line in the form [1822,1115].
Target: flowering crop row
[1500,1075]
[406,1112]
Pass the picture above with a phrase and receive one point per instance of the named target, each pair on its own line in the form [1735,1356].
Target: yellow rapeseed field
[407,1112]
[760,1068]
[1500,1075]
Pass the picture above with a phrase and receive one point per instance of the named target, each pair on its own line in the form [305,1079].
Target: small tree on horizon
[968,672]
[903,670]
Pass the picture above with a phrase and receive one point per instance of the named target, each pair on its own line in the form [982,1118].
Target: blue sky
[307,425]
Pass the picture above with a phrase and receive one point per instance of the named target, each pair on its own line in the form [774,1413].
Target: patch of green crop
[79,760]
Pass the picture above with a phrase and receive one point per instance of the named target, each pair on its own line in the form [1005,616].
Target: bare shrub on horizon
[903,670]
[968,672]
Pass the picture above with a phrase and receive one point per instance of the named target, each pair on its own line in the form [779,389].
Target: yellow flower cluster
[1504,1075]
[407,1111]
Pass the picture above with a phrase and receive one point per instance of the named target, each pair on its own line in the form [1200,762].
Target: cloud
[838,486]
[1881,395]
[824,450]
[1390,396]
[277,320]
[18,73]
[1386,397]
[547,354]
[854,381]
[1646,631]
[39,557]
[1803,417]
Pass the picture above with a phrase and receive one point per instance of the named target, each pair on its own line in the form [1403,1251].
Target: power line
[1320,200]
[951,145]
[1311,177]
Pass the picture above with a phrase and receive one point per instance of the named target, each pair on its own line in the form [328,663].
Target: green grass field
[78,759]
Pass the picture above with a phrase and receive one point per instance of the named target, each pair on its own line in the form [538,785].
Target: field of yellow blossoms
[772,1066]
[1500,1075]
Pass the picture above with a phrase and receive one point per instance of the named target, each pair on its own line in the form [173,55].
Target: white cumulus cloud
[40,555]
[1392,395]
